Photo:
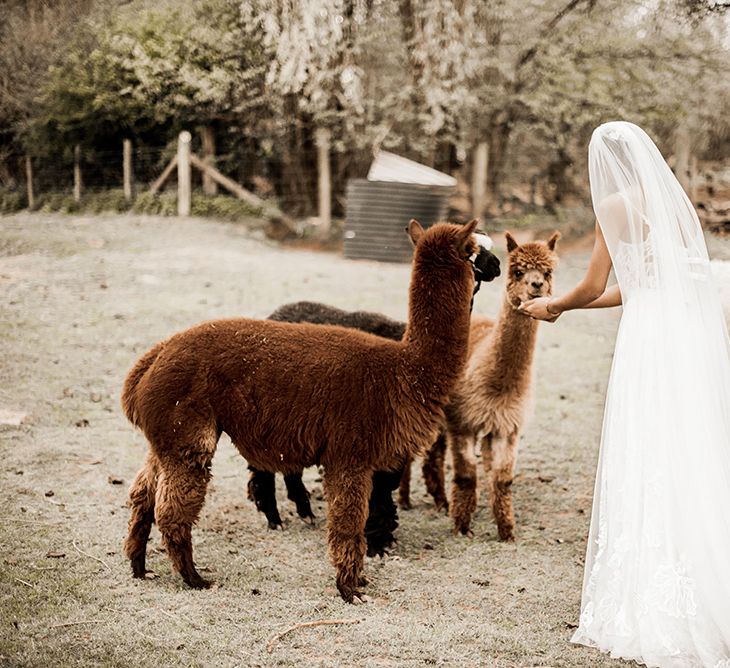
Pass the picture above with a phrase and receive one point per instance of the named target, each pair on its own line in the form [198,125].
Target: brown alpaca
[492,397]
[295,395]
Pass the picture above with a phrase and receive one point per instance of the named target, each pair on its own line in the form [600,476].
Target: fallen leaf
[55,555]
[50,492]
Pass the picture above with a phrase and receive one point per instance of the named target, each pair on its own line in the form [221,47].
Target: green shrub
[11,201]
[224,207]
[105,201]
[164,204]
[56,203]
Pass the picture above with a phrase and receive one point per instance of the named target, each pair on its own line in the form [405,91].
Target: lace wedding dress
[657,573]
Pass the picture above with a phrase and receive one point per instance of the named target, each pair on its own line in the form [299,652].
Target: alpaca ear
[414,230]
[553,240]
[511,243]
[464,234]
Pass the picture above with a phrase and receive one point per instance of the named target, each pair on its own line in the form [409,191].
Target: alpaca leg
[404,488]
[382,513]
[504,452]
[142,504]
[181,487]
[464,488]
[262,491]
[433,472]
[297,492]
[347,494]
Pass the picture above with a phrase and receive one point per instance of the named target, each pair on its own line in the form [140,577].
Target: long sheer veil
[656,242]
[657,585]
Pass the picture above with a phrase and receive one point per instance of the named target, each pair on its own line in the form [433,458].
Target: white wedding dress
[657,573]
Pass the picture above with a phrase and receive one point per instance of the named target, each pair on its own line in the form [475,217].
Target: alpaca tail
[129,393]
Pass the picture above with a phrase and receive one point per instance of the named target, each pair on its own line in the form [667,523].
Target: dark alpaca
[347,400]
[382,516]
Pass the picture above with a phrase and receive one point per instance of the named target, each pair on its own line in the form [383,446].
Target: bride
[656,587]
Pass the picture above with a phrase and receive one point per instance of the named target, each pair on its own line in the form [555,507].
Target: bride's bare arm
[590,289]
[611,297]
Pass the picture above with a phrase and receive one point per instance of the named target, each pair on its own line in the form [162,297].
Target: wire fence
[73,176]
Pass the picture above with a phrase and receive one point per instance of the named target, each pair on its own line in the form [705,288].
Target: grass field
[82,298]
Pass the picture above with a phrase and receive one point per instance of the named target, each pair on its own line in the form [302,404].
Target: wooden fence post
[127,170]
[29,181]
[324,180]
[183,174]
[479,179]
[77,173]
[210,187]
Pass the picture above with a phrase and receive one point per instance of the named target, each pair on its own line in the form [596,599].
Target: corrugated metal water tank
[378,212]
[378,208]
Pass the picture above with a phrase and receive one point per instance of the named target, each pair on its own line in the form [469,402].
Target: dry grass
[82,298]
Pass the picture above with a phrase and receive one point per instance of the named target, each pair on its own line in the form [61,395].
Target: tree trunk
[557,177]
[682,156]
[499,133]
[207,136]
[297,185]
[479,178]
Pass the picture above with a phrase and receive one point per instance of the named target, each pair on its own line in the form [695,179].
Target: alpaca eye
[548,274]
[518,273]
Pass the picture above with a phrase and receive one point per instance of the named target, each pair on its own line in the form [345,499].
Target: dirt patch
[82,298]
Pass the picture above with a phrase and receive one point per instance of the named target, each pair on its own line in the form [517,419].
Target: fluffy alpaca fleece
[382,514]
[492,397]
[295,395]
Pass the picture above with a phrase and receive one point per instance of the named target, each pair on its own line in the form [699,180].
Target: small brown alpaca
[492,397]
[296,395]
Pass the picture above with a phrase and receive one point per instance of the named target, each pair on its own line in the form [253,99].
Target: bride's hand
[537,308]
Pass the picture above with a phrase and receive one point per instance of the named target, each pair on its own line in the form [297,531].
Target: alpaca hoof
[138,567]
[463,531]
[442,504]
[378,546]
[275,525]
[196,582]
[506,536]
[305,513]
[362,581]
[310,520]
[350,594]
[405,504]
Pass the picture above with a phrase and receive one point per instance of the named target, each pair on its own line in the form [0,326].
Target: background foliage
[427,78]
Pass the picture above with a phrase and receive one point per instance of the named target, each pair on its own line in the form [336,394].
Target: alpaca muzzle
[484,263]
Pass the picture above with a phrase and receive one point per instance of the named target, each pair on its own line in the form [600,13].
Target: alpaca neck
[513,343]
[437,335]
